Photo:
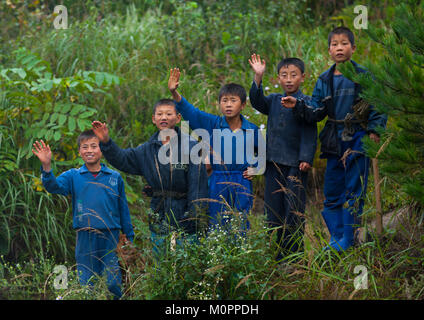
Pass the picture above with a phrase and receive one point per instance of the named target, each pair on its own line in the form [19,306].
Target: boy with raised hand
[230,181]
[100,209]
[349,120]
[291,146]
[176,185]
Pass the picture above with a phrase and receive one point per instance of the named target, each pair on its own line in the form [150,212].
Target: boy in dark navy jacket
[230,181]
[291,146]
[346,174]
[177,184]
[100,209]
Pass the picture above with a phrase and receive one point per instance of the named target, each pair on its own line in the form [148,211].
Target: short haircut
[165,102]
[291,61]
[233,89]
[342,30]
[85,135]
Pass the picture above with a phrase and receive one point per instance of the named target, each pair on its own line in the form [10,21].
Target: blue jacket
[289,140]
[322,105]
[177,187]
[97,202]
[202,120]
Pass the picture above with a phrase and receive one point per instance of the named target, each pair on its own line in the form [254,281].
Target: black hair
[342,30]
[85,135]
[233,89]
[165,102]
[291,61]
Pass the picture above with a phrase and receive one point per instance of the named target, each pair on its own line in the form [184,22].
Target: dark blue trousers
[95,254]
[344,190]
[285,197]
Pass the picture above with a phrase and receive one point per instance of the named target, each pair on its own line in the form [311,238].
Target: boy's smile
[341,50]
[90,152]
[231,106]
[290,78]
[166,117]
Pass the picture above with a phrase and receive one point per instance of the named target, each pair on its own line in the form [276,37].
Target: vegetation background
[112,64]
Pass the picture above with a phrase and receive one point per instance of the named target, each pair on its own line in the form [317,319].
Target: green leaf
[71,123]
[62,119]
[54,117]
[57,136]
[81,124]
[76,108]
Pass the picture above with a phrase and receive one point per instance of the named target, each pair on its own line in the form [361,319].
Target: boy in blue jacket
[291,146]
[177,185]
[349,120]
[100,209]
[230,181]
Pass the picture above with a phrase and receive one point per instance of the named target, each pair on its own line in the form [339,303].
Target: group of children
[181,191]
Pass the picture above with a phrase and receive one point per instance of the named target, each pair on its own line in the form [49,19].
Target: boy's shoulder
[246,124]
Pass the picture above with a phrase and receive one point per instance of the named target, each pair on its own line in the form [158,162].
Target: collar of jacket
[103,168]
[244,123]
[326,76]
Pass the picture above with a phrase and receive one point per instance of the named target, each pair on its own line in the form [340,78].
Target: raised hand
[174,79]
[288,102]
[43,152]
[173,82]
[257,64]
[101,131]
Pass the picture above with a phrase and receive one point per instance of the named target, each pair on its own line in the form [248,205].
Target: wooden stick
[379,218]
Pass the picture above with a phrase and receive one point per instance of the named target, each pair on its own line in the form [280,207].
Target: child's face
[89,151]
[231,106]
[341,49]
[290,78]
[166,117]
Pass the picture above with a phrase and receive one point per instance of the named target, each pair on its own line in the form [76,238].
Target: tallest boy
[341,139]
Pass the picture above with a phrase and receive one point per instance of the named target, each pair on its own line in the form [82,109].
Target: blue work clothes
[97,202]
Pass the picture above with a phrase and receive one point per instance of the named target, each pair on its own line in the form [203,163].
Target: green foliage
[396,89]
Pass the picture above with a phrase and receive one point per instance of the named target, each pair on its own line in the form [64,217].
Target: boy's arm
[256,94]
[126,160]
[59,185]
[308,143]
[310,111]
[124,212]
[195,117]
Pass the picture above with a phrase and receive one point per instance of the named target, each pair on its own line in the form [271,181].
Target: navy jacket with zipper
[182,184]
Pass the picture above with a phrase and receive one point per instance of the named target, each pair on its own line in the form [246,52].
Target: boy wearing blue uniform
[230,181]
[177,185]
[100,209]
[349,120]
[291,146]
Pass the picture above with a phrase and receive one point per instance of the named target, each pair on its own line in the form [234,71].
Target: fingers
[304,166]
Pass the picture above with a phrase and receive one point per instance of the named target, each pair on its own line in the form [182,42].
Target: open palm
[43,152]
[257,64]
[174,79]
